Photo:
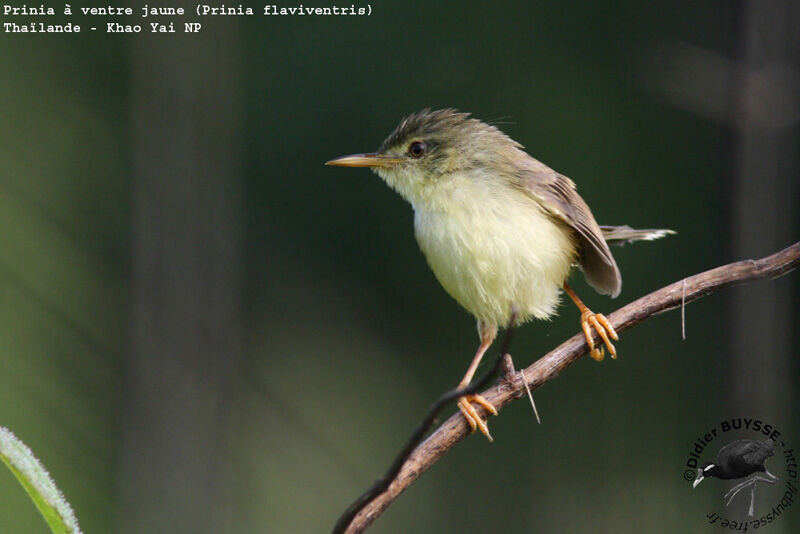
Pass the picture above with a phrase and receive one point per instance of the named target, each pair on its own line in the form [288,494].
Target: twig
[683,311]
[530,396]
[383,483]
[549,366]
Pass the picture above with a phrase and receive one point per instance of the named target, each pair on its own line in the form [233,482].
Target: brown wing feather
[559,197]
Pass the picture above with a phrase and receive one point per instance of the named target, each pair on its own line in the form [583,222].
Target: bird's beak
[365,160]
[698,480]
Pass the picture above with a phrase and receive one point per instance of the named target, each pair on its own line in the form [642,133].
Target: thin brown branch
[549,366]
[418,435]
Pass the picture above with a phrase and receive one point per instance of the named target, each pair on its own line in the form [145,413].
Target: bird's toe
[474,419]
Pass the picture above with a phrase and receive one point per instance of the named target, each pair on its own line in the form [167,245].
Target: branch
[382,484]
[549,366]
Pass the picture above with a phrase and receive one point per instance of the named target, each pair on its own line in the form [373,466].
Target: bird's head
[709,469]
[429,147]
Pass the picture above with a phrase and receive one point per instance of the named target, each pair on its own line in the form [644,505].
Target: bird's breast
[492,249]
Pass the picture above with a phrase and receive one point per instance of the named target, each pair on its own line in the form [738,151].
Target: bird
[740,459]
[500,230]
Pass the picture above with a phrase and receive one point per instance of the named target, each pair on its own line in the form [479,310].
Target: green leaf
[37,482]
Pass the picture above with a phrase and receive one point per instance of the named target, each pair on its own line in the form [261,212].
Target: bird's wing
[738,448]
[761,452]
[746,452]
[557,194]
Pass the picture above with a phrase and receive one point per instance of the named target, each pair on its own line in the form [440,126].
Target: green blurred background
[203,329]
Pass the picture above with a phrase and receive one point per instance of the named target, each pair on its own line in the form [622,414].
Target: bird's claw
[471,415]
[603,328]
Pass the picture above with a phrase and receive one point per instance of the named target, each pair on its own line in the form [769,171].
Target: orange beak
[365,160]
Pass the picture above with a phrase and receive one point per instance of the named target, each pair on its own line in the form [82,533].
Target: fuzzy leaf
[37,482]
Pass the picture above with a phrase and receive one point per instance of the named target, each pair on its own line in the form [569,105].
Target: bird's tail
[621,235]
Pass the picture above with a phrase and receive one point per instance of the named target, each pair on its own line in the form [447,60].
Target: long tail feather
[621,235]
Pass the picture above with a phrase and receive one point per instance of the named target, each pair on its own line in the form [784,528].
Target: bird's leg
[464,403]
[597,321]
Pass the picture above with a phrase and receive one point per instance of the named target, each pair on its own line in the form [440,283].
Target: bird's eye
[417,149]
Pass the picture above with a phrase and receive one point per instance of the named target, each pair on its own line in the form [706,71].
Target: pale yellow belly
[497,254]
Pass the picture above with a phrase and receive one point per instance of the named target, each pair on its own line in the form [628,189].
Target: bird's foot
[728,497]
[750,482]
[471,415]
[603,328]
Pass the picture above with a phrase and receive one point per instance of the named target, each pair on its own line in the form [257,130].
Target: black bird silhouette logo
[740,459]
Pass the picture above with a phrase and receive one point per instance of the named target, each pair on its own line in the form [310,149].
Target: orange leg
[464,403]
[597,321]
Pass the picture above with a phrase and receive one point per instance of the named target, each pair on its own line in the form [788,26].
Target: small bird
[500,230]
[740,459]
